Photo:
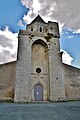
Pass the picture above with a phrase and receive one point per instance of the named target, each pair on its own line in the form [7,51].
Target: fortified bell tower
[38,71]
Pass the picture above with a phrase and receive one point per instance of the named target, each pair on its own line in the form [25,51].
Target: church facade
[39,74]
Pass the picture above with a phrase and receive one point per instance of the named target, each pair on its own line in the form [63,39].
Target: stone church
[39,74]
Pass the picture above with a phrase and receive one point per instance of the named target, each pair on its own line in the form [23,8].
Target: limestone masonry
[39,74]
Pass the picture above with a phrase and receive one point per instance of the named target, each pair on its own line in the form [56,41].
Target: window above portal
[38,70]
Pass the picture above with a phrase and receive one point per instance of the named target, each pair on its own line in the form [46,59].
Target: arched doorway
[38,92]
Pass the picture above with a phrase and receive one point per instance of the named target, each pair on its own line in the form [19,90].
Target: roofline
[8,62]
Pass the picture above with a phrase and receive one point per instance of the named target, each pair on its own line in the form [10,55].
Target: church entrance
[39,71]
[38,92]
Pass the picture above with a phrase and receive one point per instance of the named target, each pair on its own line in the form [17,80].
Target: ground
[40,111]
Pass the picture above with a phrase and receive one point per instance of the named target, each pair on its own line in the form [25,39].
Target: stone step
[40,101]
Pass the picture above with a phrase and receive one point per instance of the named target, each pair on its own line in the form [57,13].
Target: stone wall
[23,71]
[7,81]
[72,82]
[57,89]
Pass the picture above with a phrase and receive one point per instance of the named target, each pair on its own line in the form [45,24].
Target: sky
[16,14]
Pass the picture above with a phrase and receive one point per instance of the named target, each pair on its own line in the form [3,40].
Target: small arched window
[40,29]
[31,29]
[46,30]
[51,28]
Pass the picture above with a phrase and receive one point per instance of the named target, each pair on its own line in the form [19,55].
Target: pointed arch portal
[39,70]
[38,92]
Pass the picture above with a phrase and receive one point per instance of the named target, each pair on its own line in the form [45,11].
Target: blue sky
[70,42]
[13,13]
